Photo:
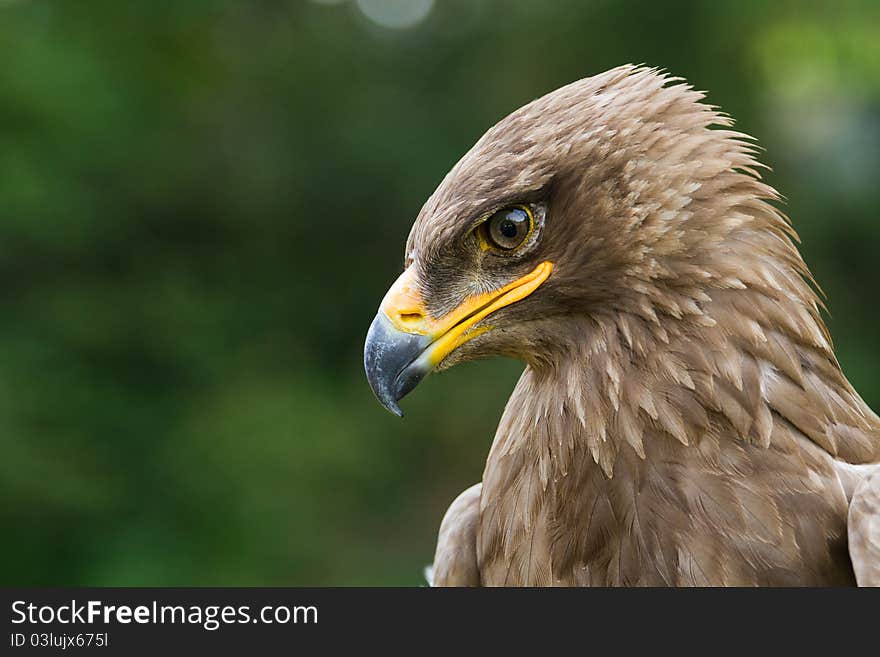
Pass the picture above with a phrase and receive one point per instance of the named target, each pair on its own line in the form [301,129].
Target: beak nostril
[410,318]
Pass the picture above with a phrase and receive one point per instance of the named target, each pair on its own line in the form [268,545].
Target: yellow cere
[405,309]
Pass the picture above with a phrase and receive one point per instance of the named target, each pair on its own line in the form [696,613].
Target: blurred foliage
[203,202]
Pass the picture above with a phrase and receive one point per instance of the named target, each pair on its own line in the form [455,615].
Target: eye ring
[506,230]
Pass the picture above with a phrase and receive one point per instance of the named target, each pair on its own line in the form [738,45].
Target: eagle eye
[507,229]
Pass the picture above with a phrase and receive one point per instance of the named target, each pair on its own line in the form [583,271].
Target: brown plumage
[682,418]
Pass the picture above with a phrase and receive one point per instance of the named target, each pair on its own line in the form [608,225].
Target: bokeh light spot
[396,14]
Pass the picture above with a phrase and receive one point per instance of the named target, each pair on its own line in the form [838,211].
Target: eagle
[681,419]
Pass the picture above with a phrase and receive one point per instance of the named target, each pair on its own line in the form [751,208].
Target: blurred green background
[202,203]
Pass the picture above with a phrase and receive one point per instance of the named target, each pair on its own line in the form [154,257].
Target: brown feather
[682,418]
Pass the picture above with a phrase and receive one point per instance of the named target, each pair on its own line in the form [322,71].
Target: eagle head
[619,198]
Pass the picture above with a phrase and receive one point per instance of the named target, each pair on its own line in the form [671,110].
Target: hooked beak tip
[391,362]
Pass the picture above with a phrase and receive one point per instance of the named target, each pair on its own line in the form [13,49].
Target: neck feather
[746,364]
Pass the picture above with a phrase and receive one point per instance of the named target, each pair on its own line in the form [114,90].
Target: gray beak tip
[389,362]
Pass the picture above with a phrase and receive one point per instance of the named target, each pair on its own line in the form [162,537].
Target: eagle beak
[391,359]
[405,343]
